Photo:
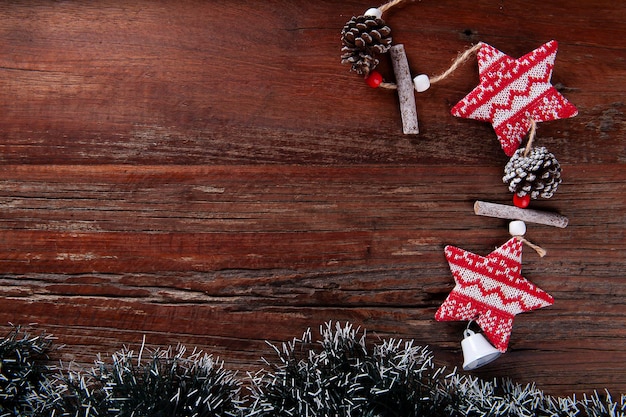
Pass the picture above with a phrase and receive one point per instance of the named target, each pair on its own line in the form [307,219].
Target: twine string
[389,5]
[531,137]
[540,251]
[389,86]
[460,60]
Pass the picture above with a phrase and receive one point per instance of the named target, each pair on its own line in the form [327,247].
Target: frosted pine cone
[537,175]
[364,37]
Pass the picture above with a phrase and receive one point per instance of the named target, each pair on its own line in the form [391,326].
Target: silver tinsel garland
[335,376]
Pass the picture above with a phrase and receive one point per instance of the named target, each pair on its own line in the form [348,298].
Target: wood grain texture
[209,173]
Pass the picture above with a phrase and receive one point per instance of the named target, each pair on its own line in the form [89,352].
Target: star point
[512,92]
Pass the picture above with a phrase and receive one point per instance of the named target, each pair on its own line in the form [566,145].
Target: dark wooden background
[207,172]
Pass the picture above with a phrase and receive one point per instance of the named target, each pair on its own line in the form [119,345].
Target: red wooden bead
[374,79]
[521,202]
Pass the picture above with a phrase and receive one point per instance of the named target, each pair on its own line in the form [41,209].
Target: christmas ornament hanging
[532,172]
[490,290]
[514,93]
[536,173]
[363,39]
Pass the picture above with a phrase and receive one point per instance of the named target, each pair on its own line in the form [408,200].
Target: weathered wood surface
[209,173]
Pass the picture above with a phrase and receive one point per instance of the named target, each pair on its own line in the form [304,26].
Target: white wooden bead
[421,83]
[374,11]
[517,228]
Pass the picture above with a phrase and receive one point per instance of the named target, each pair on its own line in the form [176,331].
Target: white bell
[477,351]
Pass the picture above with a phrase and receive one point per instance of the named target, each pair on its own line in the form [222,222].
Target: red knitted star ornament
[491,291]
[514,91]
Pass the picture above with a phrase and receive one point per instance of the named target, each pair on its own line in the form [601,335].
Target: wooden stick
[502,211]
[405,89]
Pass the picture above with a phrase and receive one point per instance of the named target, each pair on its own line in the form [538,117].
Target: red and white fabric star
[514,91]
[491,291]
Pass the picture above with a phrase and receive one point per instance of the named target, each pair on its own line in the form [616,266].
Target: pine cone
[363,38]
[538,174]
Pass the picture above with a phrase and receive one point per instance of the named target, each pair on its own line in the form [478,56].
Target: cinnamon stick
[502,211]
[404,83]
